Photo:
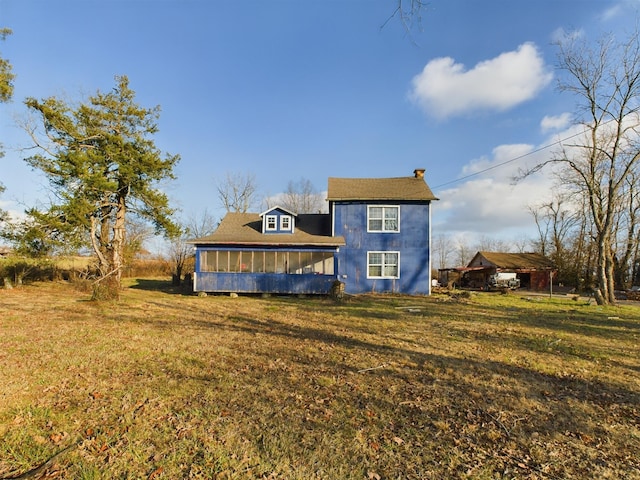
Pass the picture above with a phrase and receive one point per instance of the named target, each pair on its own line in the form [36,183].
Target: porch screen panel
[221,261]
[306,263]
[258,262]
[261,261]
[270,262]
[246,262]
[295,265]
[207,261]
[323,263]
[282,262]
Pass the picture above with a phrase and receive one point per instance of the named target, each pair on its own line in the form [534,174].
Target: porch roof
[246,229]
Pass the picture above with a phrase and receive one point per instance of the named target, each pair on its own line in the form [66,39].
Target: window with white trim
[271,222]
[383,264]
[285,222]
[383,218]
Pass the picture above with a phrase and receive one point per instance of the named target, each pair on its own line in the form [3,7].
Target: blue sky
[290,89]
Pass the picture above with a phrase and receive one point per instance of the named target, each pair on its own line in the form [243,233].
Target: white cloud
[562,35]
[612,12]
[492,203]
[13,210]
[498,166]
[444,88]
[557,122]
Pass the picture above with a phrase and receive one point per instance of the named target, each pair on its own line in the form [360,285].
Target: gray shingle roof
[400,188]
[246,229]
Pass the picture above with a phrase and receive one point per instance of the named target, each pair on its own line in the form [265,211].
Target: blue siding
[350,221]
[263,283]
[246,282]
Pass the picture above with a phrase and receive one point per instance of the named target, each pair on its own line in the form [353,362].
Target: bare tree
[598,166]
[443,249]
[557,222]
[179,251]
[463,252]
[238,192]
[489,244]
[627,232]
[302,197]
[522,243]
[409,12]
[542,224]
[138,232]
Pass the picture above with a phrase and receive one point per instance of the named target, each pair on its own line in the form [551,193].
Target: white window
[271,222]
[383,218]
[285,222]
[383,264]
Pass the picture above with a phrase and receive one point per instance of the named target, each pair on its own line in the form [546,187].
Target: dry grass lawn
[169,386]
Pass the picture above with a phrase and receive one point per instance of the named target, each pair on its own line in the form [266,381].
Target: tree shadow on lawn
[435,385]
[540,384]
[581,389]
[427,387]
[160,285]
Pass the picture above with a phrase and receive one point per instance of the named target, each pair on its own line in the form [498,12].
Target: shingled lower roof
[246,229]
[400,188]
[516,260]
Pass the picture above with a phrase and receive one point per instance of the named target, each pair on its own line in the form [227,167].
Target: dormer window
[271,223]
[278,220]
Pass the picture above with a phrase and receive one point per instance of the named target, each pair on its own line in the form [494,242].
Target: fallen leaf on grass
[57,438]
[155,473]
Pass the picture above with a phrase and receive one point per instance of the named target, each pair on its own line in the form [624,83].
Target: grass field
[169,386]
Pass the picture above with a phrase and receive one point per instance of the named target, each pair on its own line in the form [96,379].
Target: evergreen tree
[102,166]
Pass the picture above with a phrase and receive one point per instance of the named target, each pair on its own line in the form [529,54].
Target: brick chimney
[418,173]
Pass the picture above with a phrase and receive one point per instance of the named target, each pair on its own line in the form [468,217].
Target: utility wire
[519,157]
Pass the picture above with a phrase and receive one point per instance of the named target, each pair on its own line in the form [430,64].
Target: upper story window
[271,222]
[285,222]
[383,218]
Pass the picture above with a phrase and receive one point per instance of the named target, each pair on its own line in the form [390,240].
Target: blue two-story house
[375,238]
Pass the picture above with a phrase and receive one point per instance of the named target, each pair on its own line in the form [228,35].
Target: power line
[557,142]
[519,157]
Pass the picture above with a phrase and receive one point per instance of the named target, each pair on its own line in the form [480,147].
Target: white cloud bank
[555,122]
[445,88]
[491,203]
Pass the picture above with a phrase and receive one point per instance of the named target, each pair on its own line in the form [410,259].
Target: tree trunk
[107,287]
[602,286]
[610,271]
[118,240]
[177,276]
